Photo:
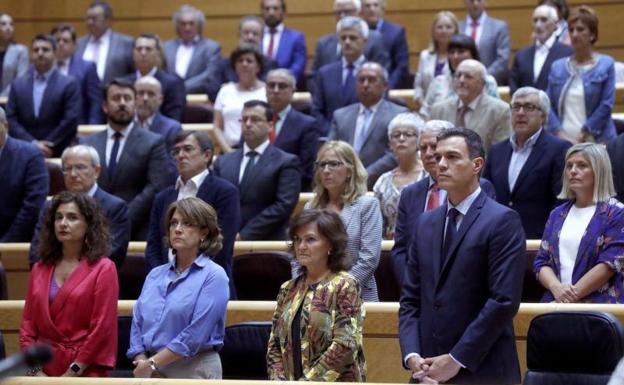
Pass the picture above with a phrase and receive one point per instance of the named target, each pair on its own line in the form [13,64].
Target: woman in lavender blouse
[581,258]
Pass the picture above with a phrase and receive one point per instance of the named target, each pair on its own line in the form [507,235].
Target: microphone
[32,356]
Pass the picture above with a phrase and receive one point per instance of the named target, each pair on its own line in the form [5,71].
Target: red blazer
[81,323]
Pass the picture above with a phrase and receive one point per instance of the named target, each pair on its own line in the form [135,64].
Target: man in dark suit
[615,148]
[531,64]
[526,170]
[191,56]
[394,40]
[193,154]
[44,105]
[23,187]
[335,82]
[81,167]
[134,161]
[463,279]
[85,72]
[291,131]
[268,178]
[284,45]
[364,125]
[147,54]
[110,51]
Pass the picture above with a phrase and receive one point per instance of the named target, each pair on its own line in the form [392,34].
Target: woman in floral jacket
[317,325]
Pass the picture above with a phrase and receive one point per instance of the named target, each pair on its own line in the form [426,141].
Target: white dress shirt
[183,57]
[266,40]
[110,141]
[541,53]
[102,55]
[260,150]
[190,188]
[481,21]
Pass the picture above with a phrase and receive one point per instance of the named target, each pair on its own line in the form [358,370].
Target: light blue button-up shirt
[519,156]
[40,83]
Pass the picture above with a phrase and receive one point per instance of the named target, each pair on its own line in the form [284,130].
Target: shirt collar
[92,190]
[147,123]
[373,108]
[201,261]
[480,20]
[473,104]
[193,41]
[46,75]
[197,180]
[105,36]
[464,205]
[548,43]
[282,114]
[361,60]
[527,145]
[278,29]
[379,25]
[260,149]
[151,73]
[125,132]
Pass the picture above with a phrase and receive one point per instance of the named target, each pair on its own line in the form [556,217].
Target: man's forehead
[257,110]
[77,158]
[452,144]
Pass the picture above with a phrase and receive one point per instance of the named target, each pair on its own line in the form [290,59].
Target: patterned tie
[434,197]
[112,161]
[273,131]
[362,130]
[451,232]
[473,32]
[461,116]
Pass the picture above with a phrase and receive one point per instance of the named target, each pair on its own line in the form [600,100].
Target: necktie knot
[435,187]
[272,30]
[452,216]
[251,154]
[117,135]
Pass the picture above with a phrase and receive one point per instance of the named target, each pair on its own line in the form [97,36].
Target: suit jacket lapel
[49,319]
[536,154]
[530,64]
[436,242]
[263,161]
[352,115]
[597,221]
[47,93]
[283,134]
[133,137]
[71,283]
[195,57]
[381,110]
[100,147]
[550,58]
[505,166]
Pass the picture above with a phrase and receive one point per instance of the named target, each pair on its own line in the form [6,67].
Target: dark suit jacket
[142,171]
[522,69]
[535,193]
[86,74]
[218,193]
[23,189]
[292,52]
[411,205]
[396,45]
[615,148]
[465,305]
[203,67]
[299,136]
[326,51]
[166,127]
[115,210]
[227,74]
[268,198]
[119,61]
[174,95]
[58,114]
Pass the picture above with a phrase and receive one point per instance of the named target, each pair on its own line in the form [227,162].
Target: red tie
[272,135]
[271,41]
[473,33]
[434,197]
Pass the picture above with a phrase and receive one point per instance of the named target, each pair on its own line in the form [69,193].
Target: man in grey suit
[15,61]
[491,36]
[110,51]
[134,161]
[364,125]
[191,56]
[472,108]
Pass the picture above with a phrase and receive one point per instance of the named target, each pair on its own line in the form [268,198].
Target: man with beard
[134,161]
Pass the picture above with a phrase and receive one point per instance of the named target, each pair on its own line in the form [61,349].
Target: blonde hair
[598,157]
[433,46]
[356,182]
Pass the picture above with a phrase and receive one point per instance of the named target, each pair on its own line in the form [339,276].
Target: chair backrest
[387,286]
[124,365]
[57,182]
[244,351]
[259,275]
[132,276]
[532,289]
[573,347]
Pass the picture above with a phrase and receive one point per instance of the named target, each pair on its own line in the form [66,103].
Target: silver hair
[550,10]
[384,71]
[598,157]
[542,97]
[82,149]
[480,67]
[407,120]
[356,3]
[198,14]
[284,72]
[437,125]
[353,22]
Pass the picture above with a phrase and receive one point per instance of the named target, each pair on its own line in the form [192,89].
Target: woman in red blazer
[71,303]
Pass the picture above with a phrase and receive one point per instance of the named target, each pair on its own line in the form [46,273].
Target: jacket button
[510,203]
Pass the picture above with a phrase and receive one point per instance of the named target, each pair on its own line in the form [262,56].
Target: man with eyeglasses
[268,179]
[526,169]
[291,130]
[192,152]
[364,125]
[81,168]
[472,108]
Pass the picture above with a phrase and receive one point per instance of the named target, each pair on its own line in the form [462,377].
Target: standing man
[191,56]
[463,278]
[526,170]
[394,40]
[285,46]
[491,36]
[110,51]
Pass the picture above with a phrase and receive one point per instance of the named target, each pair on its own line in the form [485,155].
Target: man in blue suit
[286,46]
[463,278]
[527,169]
[292,131]
[23,187]
[84,71]
[268,178]
[81,168]
[531,64]
[44,105]
[394,40]
[193,153]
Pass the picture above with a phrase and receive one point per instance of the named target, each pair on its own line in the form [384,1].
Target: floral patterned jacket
[332,317]
[602,242]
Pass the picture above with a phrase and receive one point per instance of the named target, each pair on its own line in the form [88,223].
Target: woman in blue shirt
[179,319]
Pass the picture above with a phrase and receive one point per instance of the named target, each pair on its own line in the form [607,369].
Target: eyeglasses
[406,134]
[185,149]
[79,168]
[331,164]
[528,107]
[173,224]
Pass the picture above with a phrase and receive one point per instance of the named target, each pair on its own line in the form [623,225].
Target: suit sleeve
[68,125]
[319,104]
[371,227]
[211,58]
[308,150]
[300,57]
[174,100]
[514,76]
[16,129]
[120,230]
[401,238]
[95,114]
[498,68]
[154,250]
[400,58]
[317,63]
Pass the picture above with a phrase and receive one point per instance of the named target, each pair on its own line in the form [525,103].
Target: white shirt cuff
[458,363]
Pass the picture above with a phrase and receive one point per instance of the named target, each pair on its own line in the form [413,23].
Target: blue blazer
[326,51]
[23,189]
[58,114]
[464,303]
[166,127]
[86,74]
[522,69]
[292,52]
[396,44]
[267,198]
[535,193]
[174,93]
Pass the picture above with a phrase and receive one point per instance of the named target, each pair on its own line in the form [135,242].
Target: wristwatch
[152,365]
[74,367]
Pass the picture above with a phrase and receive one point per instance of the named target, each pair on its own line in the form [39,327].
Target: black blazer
[86,74]
[615,148]
[522,69]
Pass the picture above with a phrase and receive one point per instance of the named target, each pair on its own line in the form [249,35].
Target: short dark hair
[45,37]
[588,17]
[473,140]
[463,42]
[283,3]
[64,28]
[244,49]
[331,227]
[108,10]
[119,82]
[97,240]
[268,111]
[204,141]
[151,36]
[198,213]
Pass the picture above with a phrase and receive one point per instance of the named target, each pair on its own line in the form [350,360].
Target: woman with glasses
[340,185]
[178,322]
[403,131]
[582,251]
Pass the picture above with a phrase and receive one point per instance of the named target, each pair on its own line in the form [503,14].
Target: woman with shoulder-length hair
[581,258]
[71,303]
[317,324]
